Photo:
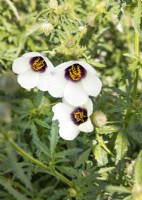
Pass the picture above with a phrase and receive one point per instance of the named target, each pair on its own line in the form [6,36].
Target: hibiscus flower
[33,70]
[75,81]
[72,119]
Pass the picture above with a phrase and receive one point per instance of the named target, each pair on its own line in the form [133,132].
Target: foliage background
[34,162]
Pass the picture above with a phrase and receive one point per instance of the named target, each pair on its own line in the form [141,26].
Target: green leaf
[68,152]
[108,129]
[100,155]
[38,98]
[119,189]
[138,169]
[136,135]
[54,137]
[69,171]
[42,123]
[36,140]
[83,157]
[96,64]
[17,168]
[130,55]
[121,146]
[8,186]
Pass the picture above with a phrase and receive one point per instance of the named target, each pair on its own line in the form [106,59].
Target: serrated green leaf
[18,169]
[119,189]
[41,147]
[121,146]
[130,55]
[69,171]
[42,123]
[106,169]
[54,137]
[83,157]
[108,129]
[138,169]
[8,186]
[100,155]
[68,152]
[96,64]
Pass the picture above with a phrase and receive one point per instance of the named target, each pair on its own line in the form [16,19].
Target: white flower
[72,119]
[75,81]
[33,70]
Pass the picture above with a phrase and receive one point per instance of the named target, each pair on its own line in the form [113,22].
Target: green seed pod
[72,192]
[99,119]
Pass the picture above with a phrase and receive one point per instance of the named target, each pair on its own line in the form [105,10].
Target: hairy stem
[14,9]
[40,164]
[134,92]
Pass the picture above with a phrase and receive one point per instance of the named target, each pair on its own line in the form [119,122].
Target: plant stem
[134,92]
[40,164]
[14,9]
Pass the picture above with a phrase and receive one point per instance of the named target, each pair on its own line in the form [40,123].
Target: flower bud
[53,4]
[69,41]
[91,20]
[27,104]
[44,106]
[72,192]
[99,119]
[47,28]
[137,104]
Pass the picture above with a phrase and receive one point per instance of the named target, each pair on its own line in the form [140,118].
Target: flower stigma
[38,63]
[75,72]
[79,116]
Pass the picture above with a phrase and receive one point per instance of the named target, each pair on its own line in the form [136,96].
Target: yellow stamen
[75,73]
[38,64]
[79,116]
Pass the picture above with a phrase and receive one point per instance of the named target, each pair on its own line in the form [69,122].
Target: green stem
[40,164]
[102,144]
[134,92]
[14,9]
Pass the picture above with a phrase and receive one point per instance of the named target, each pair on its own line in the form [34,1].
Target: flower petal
[57,84]
[68,131]
[86,126]
[31,54]
[87,66]
[74,94]
[89,107]
[28,79]
[43,80]
[21,65]
[92,84]
[61,112]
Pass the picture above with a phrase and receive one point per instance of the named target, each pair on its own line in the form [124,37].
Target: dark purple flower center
[38,64]
[79,116]
[75,72]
